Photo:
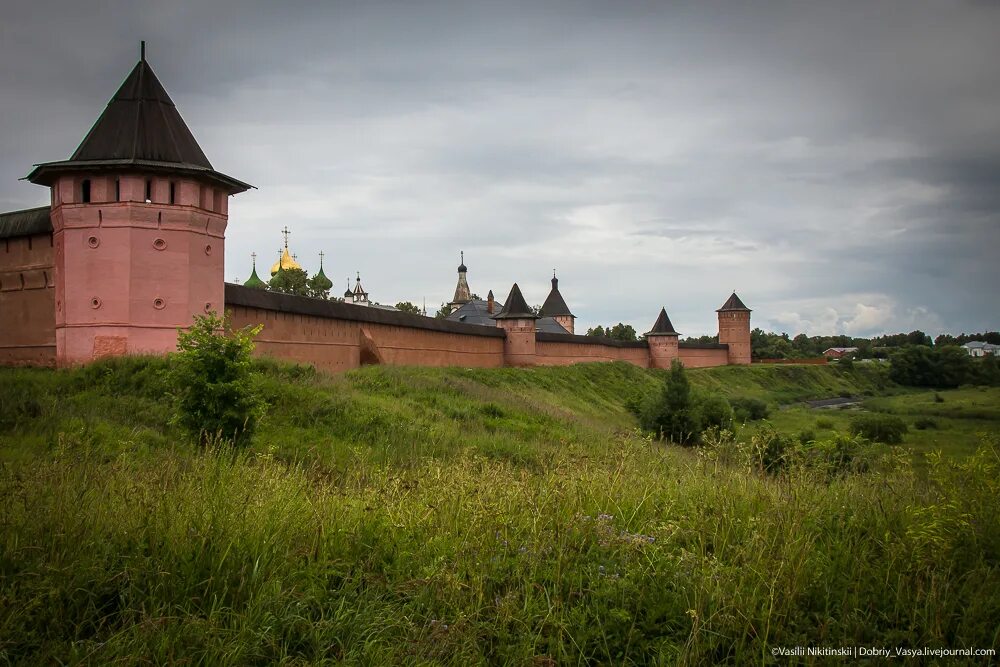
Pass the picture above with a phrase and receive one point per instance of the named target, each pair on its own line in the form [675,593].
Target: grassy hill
[404,515]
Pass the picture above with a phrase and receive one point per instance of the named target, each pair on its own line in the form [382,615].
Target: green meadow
[506,516]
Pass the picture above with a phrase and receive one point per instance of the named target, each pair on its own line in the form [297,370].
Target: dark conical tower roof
[142,123]
[140,127]
[515,307]
[662,326]
[554,303]
[733,303]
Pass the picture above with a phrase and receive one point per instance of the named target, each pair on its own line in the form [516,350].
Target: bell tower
[734,330]
[139,219]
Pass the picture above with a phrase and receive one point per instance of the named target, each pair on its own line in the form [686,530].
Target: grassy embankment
[406,515]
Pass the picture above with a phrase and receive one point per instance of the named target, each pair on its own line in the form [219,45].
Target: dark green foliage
[840,455]
[746,408]
[824,423]
[673,414]
[620,331]
[985,371]
[290,281]
[714,411]
[444,311]
[806,436]
[922,366]
[216,391]
[407,307]
[878,427]
[924,423]
[986,336]
[318,287]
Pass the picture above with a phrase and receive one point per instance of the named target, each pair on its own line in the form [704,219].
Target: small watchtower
[734,329]
[556,308]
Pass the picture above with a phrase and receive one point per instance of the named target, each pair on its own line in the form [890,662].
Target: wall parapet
[546,337]
[237,295]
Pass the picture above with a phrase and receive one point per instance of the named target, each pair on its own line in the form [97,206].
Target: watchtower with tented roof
[734,329]
[518,322]
[139,218]
[662,341]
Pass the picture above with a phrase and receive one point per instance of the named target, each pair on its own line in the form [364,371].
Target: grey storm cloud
[836,163]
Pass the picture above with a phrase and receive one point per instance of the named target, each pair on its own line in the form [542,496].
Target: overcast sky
[837,163]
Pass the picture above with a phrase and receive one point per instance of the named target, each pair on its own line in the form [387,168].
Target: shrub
[770,451]
[714,412]
[215,389]
[806,436]
[923,423]
[878,427]
[840,455]
[824,424]
[672,414]
[938,398]
[749,409]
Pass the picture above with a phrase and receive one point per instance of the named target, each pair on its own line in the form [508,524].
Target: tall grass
[505,522]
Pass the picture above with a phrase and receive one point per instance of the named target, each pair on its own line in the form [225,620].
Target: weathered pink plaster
[130,273]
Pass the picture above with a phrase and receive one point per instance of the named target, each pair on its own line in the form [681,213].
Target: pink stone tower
[139,219]
[734,330]
[662,340]
[518,323]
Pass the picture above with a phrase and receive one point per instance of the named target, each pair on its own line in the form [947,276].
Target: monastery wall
[27,301]
[564,349]
[695,355]
[341,336]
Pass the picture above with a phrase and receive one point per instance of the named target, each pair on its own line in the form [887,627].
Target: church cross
[285,233]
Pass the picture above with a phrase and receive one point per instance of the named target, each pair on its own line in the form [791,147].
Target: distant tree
[803,344]
[625,332]
[945,339]
[408,307]
[536,309]
[444,311]
[597,331]
[702,339]
[290,281]
[922,366]
[318,287]
[673,414]
[918,337]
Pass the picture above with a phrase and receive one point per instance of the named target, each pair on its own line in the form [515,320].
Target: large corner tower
[139,219]
[734,329]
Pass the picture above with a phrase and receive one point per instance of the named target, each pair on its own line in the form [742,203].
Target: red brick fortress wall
[697,355]
[27,301]
[341,336]
[564,349]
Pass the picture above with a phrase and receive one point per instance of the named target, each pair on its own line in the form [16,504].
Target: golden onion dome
[286,262]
